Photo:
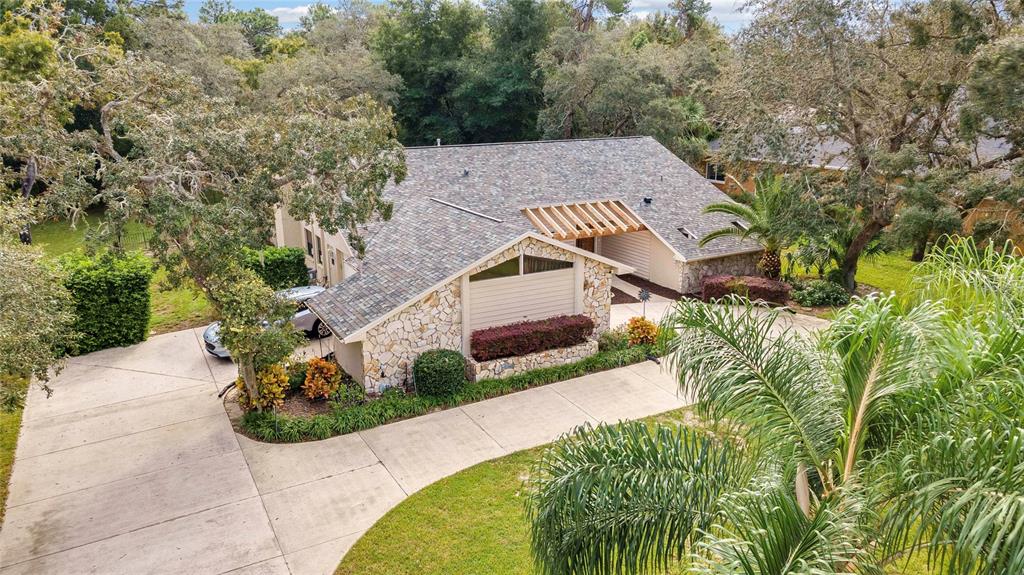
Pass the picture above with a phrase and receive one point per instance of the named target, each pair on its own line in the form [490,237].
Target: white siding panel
[502,301]
[632,249]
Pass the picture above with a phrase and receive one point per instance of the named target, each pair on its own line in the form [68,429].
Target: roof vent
[465,173]
[439,141]
[686,233]
[648,201]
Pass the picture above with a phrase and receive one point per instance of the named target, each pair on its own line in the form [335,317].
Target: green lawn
[887,272]
[10,424]
[172,309]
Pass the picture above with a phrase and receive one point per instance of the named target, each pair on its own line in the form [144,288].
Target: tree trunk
[803,489]
[920,246]
[27,183]
[854,250]
[247,370]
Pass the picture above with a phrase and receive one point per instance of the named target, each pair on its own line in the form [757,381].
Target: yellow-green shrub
[272,383]
[642,331]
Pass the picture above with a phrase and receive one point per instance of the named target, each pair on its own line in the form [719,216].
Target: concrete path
[132,466]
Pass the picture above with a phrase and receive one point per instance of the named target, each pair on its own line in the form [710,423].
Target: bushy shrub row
[111,295]
[439,372]
[820,292]
[281,268]
[394,405]
[751,287]
[530,337]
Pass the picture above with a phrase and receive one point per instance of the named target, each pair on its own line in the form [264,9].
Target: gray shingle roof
[426,241]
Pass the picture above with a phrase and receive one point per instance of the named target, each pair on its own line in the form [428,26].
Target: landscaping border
[394,405]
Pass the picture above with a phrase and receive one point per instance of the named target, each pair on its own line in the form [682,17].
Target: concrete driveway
[132,465]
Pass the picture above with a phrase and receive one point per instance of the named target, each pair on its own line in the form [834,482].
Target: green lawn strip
[394,405]
[10,425]
[887,272]
[172,309]
[470,522]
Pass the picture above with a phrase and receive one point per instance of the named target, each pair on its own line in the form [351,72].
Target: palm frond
[741,363]
[879,351]
[627,499]
[963,493]
[766,533]
[730,232]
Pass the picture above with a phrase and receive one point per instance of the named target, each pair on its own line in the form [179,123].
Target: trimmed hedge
[439,372]
[530,337]
[111,295]
[751,287]
[394,405]
[282,267]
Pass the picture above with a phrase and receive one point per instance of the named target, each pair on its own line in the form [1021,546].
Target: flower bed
[509,366]
[394,405]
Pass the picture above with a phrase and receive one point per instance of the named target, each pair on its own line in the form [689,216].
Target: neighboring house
[328,256]
[494,234]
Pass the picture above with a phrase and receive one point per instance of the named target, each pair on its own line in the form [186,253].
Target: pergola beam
[571,221]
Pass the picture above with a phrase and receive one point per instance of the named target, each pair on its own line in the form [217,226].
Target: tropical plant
[895,430]
[772,216]
[322,379]
[641,331]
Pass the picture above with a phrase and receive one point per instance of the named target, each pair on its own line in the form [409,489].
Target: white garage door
[632,249]
[502,301]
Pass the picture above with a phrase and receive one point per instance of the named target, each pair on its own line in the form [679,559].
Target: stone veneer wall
[509,366]
[692,273]
[435,322]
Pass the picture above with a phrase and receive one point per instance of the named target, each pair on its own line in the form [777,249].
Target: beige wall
[643,250]
[350,358]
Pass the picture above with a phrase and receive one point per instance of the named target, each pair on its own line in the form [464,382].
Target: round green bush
[821,292]
[439,372]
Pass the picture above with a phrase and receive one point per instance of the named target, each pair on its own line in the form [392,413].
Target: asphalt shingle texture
[426,241]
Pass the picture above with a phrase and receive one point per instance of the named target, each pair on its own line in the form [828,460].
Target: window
[319,251]
[505,269]
[309,242]
[520,265]
[534,264]
[714,172]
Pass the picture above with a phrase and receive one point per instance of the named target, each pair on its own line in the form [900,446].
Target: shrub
[752,287]
[439,372]
[272,383]
[530,337]
[642,331]
[322,379]
[297,375]
[281,268]
[821,292]
[614,339]
[350,392]
[111,298]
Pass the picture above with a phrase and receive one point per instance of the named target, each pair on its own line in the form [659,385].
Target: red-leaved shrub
[751,287]
[530,337]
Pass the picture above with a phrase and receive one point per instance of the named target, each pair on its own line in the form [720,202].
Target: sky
[288,12]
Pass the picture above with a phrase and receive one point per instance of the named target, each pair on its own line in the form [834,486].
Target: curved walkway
[132,466]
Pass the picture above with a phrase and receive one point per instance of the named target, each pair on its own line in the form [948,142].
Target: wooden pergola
[584,219]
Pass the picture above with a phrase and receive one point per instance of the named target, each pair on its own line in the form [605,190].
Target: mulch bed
[298,404]
[652,287]
[619,296]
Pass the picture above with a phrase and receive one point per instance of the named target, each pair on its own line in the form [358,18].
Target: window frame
[712,171]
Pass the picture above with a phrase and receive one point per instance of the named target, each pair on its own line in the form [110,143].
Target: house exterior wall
[691,273]
[350,357]
[658,261]
[291,232]
[436,320]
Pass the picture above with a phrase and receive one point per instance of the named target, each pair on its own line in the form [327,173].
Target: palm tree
[895,430]
[772,216]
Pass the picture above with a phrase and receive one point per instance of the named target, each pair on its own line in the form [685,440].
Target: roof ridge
[561,141]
